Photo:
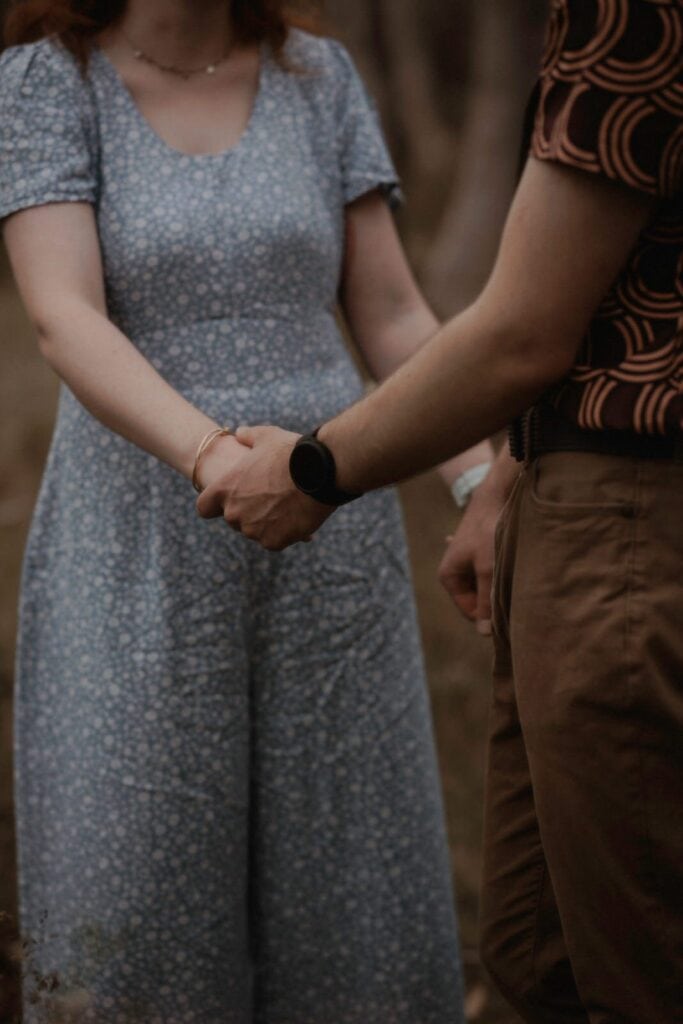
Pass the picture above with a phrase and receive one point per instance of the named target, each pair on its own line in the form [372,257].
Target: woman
[228,807]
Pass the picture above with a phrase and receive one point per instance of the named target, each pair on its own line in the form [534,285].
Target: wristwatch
[314,472]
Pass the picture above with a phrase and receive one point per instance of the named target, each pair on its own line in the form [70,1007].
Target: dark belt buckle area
[540,431]
[516,439]
[678,448]
[525,437]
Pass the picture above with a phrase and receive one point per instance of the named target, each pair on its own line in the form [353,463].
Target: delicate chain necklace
[206,69]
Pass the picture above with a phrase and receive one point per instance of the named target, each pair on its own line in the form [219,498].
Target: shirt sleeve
[364,158]
[46,150]
[610,92]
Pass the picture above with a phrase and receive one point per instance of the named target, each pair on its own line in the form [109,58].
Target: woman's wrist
[207,441]
[466,483]
[216,459]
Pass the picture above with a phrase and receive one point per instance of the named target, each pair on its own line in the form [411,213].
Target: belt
[542,430]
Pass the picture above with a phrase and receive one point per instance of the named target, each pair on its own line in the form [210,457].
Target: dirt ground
[458,661]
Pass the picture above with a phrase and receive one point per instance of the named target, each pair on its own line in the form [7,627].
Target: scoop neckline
[179,154]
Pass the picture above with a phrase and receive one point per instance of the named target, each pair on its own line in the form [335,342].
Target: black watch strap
[314,472]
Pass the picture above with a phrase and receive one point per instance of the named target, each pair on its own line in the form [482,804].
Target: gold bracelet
[205,443]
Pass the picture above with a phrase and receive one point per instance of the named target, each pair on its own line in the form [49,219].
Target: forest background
[451,79]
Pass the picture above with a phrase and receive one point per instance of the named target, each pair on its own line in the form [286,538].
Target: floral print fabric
[611,103]
[228,805]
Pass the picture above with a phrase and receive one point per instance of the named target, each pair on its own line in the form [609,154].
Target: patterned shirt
[611,103]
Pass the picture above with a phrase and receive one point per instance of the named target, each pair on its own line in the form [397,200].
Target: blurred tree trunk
[395,44]
[451,80]
[412,87]
[503,70]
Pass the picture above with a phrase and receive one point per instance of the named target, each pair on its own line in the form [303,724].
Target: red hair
[76,23]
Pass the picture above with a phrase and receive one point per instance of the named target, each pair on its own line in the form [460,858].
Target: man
[583,864]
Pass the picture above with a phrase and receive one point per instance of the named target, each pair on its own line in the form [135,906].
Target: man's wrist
[332,435]
[313,470]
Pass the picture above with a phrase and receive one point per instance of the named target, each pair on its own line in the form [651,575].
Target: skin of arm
[567,236]
[55,256]
[387,314]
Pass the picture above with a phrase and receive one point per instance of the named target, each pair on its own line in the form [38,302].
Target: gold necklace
[206,69]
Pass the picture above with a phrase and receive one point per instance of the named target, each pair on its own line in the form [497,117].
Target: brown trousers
[582,917]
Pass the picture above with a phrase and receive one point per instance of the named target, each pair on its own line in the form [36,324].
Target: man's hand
[466,570]
[256,495]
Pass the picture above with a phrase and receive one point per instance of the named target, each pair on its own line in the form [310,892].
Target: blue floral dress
[228,806]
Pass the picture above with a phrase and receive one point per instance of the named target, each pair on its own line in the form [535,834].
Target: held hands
[246,480]
[253,490]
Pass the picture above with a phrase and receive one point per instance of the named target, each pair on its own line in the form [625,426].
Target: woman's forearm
[115,382]
[395,338]
[55,255]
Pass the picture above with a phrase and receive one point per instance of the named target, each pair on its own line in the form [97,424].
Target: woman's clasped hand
[251,488]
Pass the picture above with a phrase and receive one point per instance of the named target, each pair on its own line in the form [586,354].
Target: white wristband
[464,485]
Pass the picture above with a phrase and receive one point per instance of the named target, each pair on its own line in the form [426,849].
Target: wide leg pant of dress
[229,811]
[582,919]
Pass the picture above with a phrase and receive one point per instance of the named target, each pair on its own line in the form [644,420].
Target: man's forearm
[495,359]
[468,382]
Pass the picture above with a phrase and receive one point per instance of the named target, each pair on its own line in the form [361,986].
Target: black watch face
[309,467]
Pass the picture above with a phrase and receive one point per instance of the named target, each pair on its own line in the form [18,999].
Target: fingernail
[484,627]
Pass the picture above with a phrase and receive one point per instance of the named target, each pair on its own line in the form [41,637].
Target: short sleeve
[364,158]
[46,144]
[610,92]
